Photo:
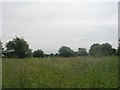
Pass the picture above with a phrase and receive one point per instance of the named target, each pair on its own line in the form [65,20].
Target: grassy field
[76,72]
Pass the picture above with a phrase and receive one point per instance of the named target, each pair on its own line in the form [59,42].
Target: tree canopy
[66,51]
[94,49]
[104,49]
[38,53]
[0,48]
[18,47]
[118,48]
[81,52]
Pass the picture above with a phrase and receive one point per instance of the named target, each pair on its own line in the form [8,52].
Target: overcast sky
[49,25]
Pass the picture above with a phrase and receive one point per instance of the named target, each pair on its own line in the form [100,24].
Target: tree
[51,54]
[38,53]
[94,49]
[46,55]
[118,52]
[104,49]
[10,50]
[18,47]
[66,51]
[0,49]
[29,53]
[56,54]
[82,52]
[114,51]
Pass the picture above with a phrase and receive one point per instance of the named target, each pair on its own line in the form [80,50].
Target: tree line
[19,48]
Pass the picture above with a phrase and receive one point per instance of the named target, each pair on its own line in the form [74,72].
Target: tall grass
[76,72]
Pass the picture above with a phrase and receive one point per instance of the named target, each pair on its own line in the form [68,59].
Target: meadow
[58,72]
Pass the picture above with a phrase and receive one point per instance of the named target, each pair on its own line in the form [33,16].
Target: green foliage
[46,55]
[29,53]
[56,54]
[114,51]
[11,45]
[94,50]
[51,54]
[81,52]
[104,49]
[74,72]
[18,47]
[66,51]
[38,53]
[0,49]
[118,52]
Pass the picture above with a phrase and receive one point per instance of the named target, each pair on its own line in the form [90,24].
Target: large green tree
[18,47]
[94,49]
[104,49]
[66,51]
